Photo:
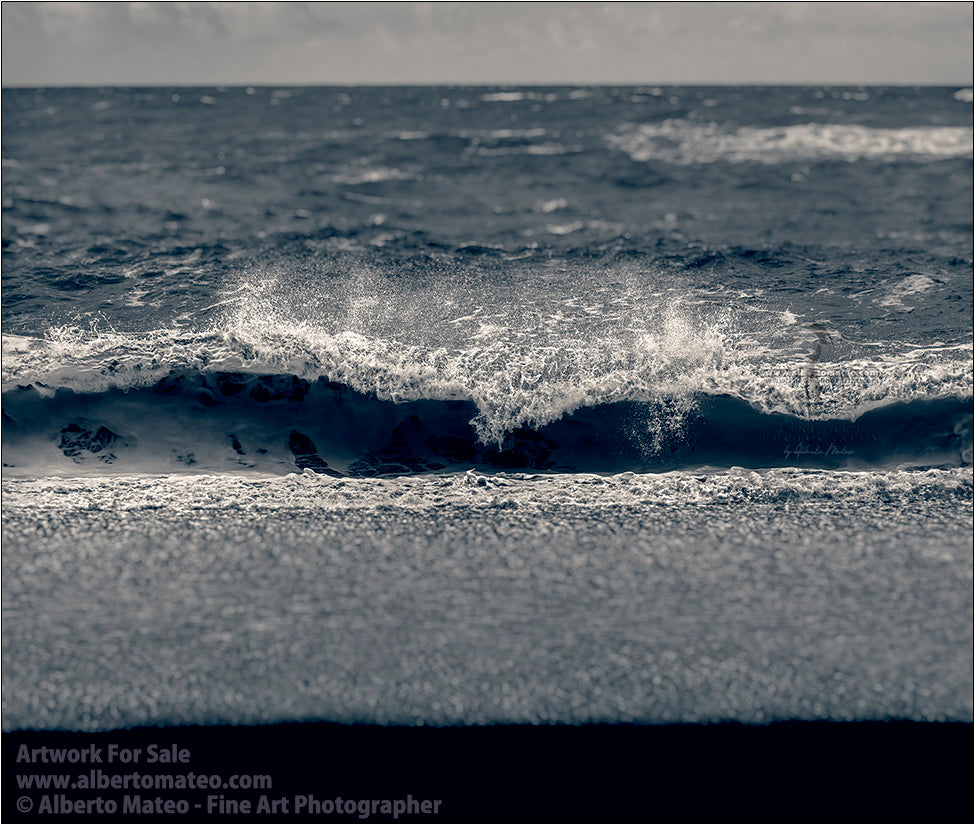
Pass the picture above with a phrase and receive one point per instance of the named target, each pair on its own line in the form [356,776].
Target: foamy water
[682,142]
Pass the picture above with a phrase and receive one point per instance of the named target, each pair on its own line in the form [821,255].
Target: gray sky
[457,43]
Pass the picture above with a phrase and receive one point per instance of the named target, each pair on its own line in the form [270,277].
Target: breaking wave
[683,142]
[273,399]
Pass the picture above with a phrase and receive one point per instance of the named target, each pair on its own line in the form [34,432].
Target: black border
[894,771]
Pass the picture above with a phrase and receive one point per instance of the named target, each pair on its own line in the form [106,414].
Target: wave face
[260,400]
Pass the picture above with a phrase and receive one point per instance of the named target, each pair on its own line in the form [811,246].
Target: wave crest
[683,142]
[510,384]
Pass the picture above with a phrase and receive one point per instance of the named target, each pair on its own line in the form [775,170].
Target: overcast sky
[457,43]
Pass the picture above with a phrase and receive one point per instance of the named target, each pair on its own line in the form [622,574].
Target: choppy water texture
[474,404]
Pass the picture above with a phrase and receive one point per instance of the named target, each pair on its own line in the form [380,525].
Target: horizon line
[486,84]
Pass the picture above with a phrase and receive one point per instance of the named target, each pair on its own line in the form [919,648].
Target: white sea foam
[503,97]
[685,142]
[912,285]
[551,205]
[377,174]
[504,134]
[234,493]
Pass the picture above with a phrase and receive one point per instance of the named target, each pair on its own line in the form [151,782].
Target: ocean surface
[451,405]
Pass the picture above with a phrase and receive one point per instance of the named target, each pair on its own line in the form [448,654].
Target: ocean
[465,406]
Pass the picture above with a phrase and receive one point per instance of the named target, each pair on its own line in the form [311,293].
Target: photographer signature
[806,449]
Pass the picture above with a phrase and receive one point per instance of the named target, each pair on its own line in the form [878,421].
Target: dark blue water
[528,252]
[173,193]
